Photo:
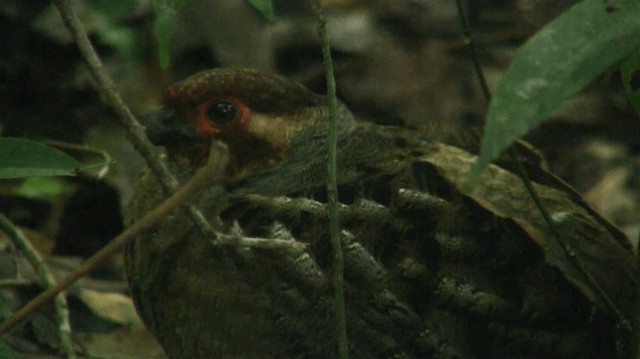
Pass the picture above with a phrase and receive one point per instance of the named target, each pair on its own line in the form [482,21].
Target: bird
[434,266]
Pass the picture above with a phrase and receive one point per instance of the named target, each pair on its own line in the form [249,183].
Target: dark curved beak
[163,129]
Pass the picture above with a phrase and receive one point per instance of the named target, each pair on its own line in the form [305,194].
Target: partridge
[435,267]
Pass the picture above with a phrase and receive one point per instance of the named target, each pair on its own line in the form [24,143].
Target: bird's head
[260,117]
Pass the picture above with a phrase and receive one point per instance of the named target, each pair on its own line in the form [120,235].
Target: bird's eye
[222,113]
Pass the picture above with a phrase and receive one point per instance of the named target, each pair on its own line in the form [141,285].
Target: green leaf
[114,10]
[165,12]
[556,63]
[106,18]
[6,352]
[5,311]
[630,73]
[43,187]
[24,158]
[94,161]
[265,7]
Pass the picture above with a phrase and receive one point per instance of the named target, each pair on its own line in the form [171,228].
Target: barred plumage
[433,267]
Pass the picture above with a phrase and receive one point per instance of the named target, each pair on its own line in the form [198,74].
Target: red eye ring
[218,114]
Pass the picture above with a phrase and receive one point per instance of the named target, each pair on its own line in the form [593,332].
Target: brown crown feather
[270,94]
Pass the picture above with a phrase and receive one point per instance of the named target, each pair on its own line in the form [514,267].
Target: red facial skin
[246,152]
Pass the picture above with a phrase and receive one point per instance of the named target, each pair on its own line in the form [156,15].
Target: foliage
[165,11]
[630,72]
[42,187]
[265,7]
[23,158]
[106,18]
[6,352]
[556,63]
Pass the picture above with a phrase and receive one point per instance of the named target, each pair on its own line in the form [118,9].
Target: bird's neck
[361,149]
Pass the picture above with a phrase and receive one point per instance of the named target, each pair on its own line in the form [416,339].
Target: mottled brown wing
[435,269]
[588,236]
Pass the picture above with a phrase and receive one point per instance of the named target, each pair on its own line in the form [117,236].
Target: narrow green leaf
[43,187]
[25,158]
[114,10]
[556,63]
[265,7]
[630,73]
[165,12]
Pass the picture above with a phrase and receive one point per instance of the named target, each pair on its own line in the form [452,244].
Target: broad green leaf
[556,63]
[25,158]
[630,72]
[265,7]
[165,12]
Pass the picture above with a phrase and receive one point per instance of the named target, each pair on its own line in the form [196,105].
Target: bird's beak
[163,129]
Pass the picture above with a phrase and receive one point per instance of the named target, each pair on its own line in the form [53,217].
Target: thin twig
[133,130]
[47,280]
[575,261]
[332,188]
